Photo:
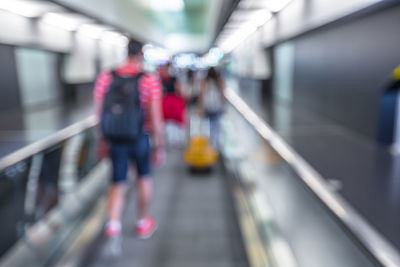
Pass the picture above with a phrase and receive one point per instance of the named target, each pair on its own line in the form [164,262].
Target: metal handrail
[379,247]
[47,142]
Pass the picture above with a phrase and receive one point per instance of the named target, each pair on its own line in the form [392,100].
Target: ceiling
[180,25]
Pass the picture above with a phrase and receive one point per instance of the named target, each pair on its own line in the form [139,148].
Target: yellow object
[199,153]
[396,73]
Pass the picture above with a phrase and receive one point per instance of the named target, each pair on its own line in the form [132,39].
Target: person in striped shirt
[150,94]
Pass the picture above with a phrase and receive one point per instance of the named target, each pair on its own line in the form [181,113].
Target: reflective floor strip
[254,247]
[90,229]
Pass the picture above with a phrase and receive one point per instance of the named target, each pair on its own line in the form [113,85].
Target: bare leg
[116,201]
[145,195]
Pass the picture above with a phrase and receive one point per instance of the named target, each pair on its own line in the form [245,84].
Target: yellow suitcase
[200,154]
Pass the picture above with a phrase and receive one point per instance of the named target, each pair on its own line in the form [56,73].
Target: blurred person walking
[167,79]
[211,103]
[190,87]
[174,107]
[128,103]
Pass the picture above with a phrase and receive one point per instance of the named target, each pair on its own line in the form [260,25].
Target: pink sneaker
[146,227]
[113,228]
[114,240]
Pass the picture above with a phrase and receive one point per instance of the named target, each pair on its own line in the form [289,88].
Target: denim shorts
[124,153]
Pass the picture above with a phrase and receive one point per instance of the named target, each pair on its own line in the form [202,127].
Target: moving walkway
[258,206]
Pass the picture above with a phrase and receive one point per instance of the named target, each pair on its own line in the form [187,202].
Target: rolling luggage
[199,154]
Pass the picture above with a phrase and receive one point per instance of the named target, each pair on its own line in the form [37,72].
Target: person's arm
[156,118]
[157,123]
[98,107]
[99,91]
[102,83]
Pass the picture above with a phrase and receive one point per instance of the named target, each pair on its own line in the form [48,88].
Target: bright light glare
[213,57]
[272,5]
[167,5]
[248,4]
[216,53]
[239,36]
[155,54]
[92,30]
[258,17]
[29,9]
[232,24]
[231,38]
[200,63]
[276,5]
[185,60]
[114,38]
[66,21]
[240,15]
[261,17]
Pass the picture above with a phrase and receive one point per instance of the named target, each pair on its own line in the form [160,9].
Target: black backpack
[122,117]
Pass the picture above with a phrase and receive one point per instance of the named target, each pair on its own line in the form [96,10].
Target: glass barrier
[295,227]
[45,196]
[13,183]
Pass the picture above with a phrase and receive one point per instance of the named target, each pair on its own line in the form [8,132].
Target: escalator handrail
[47,142]
[376,244]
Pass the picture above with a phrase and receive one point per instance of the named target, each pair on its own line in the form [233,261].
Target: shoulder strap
[140,74]
[114,73]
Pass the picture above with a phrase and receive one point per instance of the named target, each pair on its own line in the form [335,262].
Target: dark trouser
[122,153]
[214,119]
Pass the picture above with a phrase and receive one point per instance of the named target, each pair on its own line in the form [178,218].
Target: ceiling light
[155,54]
[272,5]
[167,5]
[29,9]
[92,30]
[230,28]
[276,5]
[224,35]
[261,17]
[232,24]
[240,15]
[114,37]
[213,56]
[231,37]
[235,39]
[245,4]
[257,19]
[66,21]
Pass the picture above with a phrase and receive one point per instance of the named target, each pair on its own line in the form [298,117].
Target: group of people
[132,106]
[188,90]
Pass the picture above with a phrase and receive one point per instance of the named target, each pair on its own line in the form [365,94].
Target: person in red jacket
[174,107]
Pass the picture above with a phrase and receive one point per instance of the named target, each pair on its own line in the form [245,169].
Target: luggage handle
[203,126]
